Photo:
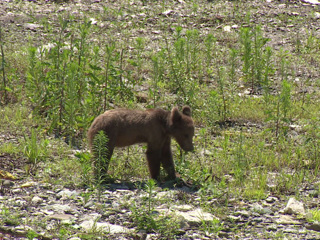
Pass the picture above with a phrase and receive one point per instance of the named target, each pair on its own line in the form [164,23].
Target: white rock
[66,193]
[32,26]
[103,226]
[227,28]
[183,208]
[271,199]
[62,216]
[206,152]
[93,21]
[196,216]
[168,12]
[294,207]
[312,1]
[60,208]
[256,207]
[92,216]
[285,219]
[36,200]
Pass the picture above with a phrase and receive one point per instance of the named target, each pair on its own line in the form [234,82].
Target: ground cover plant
[250,75]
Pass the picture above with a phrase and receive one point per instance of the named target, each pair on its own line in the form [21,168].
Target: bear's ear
[175,115]
[186,110]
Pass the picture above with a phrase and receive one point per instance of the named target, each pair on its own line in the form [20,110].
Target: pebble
[314,226]
[294,207]
[7,184]
[36,200]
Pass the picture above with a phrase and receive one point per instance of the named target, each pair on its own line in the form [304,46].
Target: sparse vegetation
[252,79]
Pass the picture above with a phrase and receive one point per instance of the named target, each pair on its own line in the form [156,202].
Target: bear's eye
[186,135]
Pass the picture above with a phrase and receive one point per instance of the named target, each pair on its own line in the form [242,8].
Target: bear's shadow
[178,184]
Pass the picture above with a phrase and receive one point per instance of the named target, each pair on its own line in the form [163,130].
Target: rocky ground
[44,208]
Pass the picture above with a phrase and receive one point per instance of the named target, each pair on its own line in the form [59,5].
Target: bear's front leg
[167,160]
[154,158]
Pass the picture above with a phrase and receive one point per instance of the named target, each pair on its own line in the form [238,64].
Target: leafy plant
[35,150]
[280,115]
[143,216]
[146,218]
[149,188]
[31,235]
[100,159]
[86,166]
[255,56]
[218,101]
[139,48]
[4,89]
[9,218]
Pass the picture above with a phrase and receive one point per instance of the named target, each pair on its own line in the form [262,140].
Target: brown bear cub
[155,127]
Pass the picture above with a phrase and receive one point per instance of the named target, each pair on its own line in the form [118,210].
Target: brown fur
[155,127]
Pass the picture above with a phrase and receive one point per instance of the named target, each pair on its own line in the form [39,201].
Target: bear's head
[182,128]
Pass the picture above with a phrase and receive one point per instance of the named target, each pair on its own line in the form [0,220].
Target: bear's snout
[188,148]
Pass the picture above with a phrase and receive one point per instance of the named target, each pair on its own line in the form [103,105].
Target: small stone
[28,184]
[195,217]
[32,26]
[256,207]
[272,227]
[314,226]
[89,204]
[242,213]
[168,12]
[233,219]
[206,152]
[294,207]
[89,217]
[103,226]
[258,219]
[93,21]
[36,200]
[290,230]
[285,219]
[227,28]
[183,208]
[312,1]
[271,199]
[66,193]
[60,208]
[7,184]
[61,216]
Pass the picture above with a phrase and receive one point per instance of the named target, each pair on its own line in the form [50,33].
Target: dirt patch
[11,162]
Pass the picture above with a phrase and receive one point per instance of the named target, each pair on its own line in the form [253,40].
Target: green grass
[255,103]
[315,215]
